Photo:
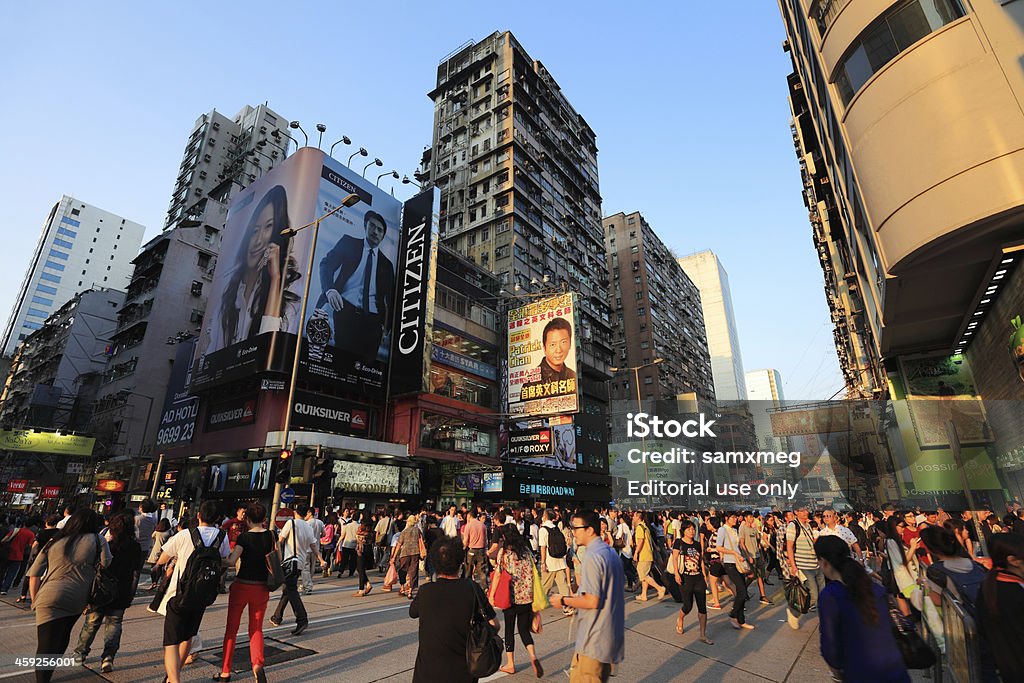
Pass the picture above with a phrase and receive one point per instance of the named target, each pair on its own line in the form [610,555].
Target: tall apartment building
[517,170]
[910,138]
[166,297]
[707,272]
[80,247]
[56,370]
[656,313]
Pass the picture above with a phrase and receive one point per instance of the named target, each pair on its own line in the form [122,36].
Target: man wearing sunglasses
[600,605]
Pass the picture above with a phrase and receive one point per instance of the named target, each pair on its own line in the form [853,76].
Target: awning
[345,444]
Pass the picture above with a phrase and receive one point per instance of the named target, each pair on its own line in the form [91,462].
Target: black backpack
[199,584]
[556,543]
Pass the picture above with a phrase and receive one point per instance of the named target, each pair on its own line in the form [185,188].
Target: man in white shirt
[307,569]
[68,509]
[297,541]
[834,528]
[553,570]
[181,624]
[450,523]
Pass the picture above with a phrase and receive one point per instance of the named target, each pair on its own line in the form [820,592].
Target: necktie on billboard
[366,282]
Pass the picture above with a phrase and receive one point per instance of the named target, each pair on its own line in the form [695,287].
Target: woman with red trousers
[249,589]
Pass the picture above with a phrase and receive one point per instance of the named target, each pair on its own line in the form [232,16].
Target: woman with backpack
[516,559]
[248,590]
[125,565]
[60,582]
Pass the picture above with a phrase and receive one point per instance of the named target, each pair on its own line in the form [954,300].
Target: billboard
[246,475]
[415,308]
[258,284]
[548,442]
[352,289]
[328,414]
[178,419]
[542,358]
[45,442]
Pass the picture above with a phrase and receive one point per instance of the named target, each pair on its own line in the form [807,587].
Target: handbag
[500,593]
[484,647]
[104,585]
[916,653]
[798,596]
[536,625]
[292,568]
[540,597]
[275,573]
[423,549]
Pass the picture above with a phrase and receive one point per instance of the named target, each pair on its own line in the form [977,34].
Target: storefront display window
[447,382]
[453,434]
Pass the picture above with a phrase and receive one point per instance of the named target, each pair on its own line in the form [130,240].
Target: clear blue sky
[689,108]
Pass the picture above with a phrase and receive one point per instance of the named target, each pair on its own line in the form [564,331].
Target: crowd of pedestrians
[861,575]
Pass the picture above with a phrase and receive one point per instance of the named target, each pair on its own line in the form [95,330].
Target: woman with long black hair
[364,553]
[60,581]
[256,297]
[856,635]
[1002,603]
[516,558]
[125,565]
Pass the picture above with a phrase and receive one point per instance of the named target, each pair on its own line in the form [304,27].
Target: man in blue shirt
[600,605]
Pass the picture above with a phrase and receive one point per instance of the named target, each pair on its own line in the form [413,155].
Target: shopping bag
[391,578]
[540,598]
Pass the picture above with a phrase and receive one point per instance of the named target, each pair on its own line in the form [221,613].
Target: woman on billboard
[254,299]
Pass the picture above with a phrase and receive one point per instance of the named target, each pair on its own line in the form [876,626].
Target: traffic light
[284,467]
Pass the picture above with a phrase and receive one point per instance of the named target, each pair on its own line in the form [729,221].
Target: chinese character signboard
[542,357]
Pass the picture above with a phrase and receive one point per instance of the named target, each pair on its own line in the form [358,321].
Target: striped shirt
[803,546]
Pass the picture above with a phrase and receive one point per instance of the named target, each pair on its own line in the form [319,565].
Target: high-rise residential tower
[80,246]
[517,168]
[656,313]
[709,275]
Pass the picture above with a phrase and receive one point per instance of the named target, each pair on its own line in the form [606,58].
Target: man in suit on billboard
[358,283]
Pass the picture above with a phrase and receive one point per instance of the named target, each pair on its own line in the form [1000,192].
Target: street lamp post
[639,405]
[298,126]
[350,200]
[321,128]
[375,162]
[359,152]
[344,140]
[393,174]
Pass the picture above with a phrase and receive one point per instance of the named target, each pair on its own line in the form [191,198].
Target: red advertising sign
[17,485]
[283,515]
[110,485]
[51,492]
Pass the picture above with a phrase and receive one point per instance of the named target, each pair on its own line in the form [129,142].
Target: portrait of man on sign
[357,283]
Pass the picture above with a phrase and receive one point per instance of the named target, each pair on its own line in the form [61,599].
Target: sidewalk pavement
[373,640]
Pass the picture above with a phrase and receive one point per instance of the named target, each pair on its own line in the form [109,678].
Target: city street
[373,639]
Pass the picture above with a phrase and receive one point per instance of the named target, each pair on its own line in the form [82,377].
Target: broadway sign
[328,414]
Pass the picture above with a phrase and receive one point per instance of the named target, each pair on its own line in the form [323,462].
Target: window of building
[67,233]
[36,313]
[639,296]
[54,266]
[57,242]
[59,255]
[641,311]
[75,212]
[898,29]
[46,289]
[49,277]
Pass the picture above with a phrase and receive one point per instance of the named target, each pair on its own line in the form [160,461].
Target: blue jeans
[11,570]
[111,620]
